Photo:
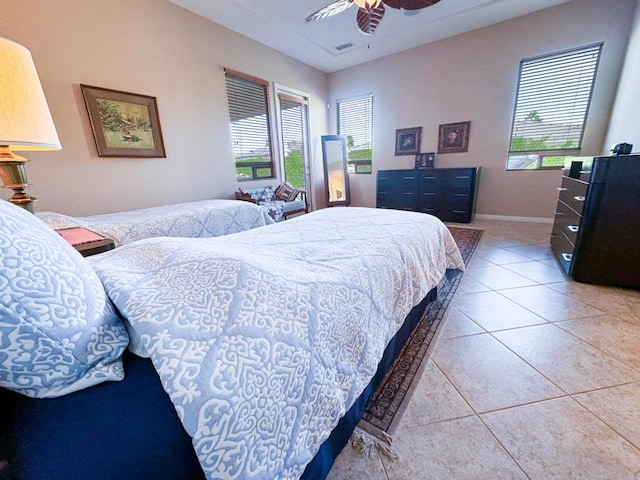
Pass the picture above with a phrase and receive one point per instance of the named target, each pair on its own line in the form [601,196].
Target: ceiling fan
[370,12]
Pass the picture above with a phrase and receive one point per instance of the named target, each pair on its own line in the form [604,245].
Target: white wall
[154,48]
[625,124]
[473,77]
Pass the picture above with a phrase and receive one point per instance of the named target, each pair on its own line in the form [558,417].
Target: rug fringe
[369,444]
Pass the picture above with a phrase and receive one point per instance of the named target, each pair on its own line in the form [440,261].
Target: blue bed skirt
[129,429]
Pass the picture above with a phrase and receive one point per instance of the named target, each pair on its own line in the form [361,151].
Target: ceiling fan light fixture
[367,4]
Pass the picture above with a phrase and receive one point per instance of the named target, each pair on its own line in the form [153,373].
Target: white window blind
[355,121]
[248,99]
[552,103]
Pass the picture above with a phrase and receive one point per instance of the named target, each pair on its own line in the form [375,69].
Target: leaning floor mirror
[336,177]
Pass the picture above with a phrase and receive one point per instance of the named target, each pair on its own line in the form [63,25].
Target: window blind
[248,99]
[355,121]
[552,103]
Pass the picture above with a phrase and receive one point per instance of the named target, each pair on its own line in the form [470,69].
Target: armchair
[279,201]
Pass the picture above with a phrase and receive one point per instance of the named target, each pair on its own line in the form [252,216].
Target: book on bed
[86,241]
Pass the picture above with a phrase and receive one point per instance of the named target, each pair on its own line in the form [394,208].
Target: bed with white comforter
[264,339]
[202,219]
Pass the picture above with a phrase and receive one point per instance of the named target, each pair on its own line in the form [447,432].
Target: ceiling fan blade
[410,4]
[330,10]
[368,19]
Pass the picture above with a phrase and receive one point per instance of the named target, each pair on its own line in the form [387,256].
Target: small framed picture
[454,137]
[425,160]
[408,141]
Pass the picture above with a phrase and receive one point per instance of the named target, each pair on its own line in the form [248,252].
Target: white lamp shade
[25,120]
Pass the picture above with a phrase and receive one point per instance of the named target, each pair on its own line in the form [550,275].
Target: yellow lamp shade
[368,4]
[25,120]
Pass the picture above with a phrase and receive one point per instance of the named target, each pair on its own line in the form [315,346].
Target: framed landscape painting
[124,124]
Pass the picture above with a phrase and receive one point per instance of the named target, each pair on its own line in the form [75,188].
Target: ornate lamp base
[14,177]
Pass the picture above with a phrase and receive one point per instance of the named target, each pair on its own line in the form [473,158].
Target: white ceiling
[280,24]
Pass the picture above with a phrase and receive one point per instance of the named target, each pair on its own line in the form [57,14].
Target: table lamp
[25,120]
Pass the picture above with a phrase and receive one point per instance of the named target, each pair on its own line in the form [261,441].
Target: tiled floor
[533,376]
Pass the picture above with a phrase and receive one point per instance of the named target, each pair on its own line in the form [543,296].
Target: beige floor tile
[493,312]
[550,304]
[559,439]
[432,400]
[457,324]
[533,252]
[538,271]
[573,365]
[354,464]
[451,450]
[488,375]
[470,285]
[618,407]
[616,337]
[499,256]
[609,299]
[497,277]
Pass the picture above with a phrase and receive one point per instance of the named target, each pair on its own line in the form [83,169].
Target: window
[294,129]
[248,99]
[552,102]
[355,121]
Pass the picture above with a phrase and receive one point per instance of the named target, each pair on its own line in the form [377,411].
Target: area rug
[385,405]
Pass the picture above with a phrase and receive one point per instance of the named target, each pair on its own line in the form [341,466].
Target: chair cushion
[298,205]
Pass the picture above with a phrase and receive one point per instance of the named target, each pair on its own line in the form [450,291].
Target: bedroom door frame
[291,94]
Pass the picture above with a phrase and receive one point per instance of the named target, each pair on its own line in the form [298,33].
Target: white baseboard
[483,216]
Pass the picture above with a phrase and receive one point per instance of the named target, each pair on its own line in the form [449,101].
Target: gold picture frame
[124,124]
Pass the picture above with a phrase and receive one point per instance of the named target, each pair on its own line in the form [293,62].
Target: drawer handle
[459,211]
[430,178]
[383,178]
[463,176]
[383,193]
[567,257]
[429,193]
[428,209]
[408,193]
[573,228]
[562,189]
[460,195]
[408,178]
[579,199]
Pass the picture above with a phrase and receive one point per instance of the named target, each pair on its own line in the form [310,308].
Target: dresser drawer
[573,193]
[562,249]
[446,178]
[398,201]
[567,221]
[398,179]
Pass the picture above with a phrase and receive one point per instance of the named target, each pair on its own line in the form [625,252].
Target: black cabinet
[447,193]
[596,229]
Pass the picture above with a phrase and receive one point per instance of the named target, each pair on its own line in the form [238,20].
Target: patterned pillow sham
[59,332]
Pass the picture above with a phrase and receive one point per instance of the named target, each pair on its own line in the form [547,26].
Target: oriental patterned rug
[386,402]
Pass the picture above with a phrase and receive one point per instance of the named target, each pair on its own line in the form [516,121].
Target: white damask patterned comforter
[264,339]
[206,218]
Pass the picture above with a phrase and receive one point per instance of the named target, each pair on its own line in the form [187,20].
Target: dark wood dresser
[596,230]
[447,193]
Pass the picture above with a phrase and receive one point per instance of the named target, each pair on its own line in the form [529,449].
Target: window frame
[255,166]
[358,166]
[533,67]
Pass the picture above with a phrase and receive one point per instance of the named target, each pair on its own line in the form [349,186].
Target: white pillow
[58,330]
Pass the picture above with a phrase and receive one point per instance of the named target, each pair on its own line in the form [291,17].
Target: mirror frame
[345,173]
